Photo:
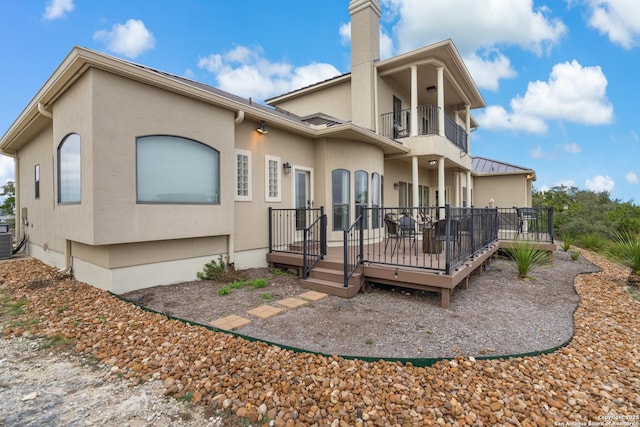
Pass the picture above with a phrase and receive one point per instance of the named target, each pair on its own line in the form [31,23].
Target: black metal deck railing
[398,125]
[299,231]
[530,224]
[433,238]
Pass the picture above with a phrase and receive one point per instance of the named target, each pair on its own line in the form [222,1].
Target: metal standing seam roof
[317,119]
[484,166]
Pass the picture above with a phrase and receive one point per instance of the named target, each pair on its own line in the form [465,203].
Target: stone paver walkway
[230,323]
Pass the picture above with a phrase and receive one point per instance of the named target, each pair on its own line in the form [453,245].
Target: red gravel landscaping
[595,378]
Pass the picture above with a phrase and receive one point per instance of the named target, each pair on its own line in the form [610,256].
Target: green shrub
[258,283]
[575,254]
[527,257]
[224,290]
[592,241]
[566,244]
[625,248]
[214,270]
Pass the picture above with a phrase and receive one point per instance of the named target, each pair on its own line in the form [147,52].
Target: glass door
[303,199]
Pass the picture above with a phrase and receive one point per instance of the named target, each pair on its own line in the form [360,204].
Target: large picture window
[171,169]
[340,187]
[69,167]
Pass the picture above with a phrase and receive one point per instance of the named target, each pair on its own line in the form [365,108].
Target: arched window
[362,196]
[69,169]
[172,169]
[340,188]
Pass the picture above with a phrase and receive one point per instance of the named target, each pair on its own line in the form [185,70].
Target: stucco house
[132,177]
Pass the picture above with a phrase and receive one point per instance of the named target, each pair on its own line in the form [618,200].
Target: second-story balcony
[397,125]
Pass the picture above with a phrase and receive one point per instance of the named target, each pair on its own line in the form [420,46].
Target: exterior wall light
[287,167]
[396,185]
[431,89]
[262,128]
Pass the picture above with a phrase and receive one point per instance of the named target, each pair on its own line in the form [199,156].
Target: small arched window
[69,169]
[172,169]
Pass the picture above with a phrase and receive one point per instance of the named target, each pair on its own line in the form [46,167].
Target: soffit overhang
[30,121]
[443,54]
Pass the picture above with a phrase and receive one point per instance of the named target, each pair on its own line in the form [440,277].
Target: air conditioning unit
[6,245]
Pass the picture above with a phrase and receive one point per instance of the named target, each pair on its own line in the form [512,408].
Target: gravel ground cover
[498,314]
[595,378]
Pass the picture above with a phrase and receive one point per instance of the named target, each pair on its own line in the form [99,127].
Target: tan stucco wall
[334,101]
[251,217]
[131,254]
[40,224]
[72,113]
[140,110]
[506,191]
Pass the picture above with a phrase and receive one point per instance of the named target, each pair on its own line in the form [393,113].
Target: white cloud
[246,72]
[537,153]
[477,26]
[345,33]
[130,39]
[489,69]
[632,178]
[618,19]
[57,9]
[572,93]
[600,184]
[635,136]
[572,148]
[7,169]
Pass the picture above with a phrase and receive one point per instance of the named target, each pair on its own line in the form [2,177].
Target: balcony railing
[398,125]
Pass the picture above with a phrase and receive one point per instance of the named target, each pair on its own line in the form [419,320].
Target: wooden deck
[425,272]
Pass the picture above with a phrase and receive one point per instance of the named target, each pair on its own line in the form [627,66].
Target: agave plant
[527,257]
[626,248]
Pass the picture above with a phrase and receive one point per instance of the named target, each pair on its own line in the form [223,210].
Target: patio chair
[528,217]
[440,227]
[398,233]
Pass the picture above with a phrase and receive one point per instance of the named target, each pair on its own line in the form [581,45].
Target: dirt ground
[498,314]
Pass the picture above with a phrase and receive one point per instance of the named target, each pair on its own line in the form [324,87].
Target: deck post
[270,229]
[323,233]
[447,245]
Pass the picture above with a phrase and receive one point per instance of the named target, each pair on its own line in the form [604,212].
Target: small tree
[8,205]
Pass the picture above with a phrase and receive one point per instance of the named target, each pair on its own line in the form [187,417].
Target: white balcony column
[441,195]
[467,128]
[457,184]
[415,180]
[440,100]
[414,100]
[469,187]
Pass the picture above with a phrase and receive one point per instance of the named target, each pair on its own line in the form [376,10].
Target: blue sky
[559,77]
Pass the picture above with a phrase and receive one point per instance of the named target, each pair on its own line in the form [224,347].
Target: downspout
[68,258]
[44,112]
[239,117]
[19,221]
[231,237]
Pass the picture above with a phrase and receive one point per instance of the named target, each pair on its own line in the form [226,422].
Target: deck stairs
[328,276]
